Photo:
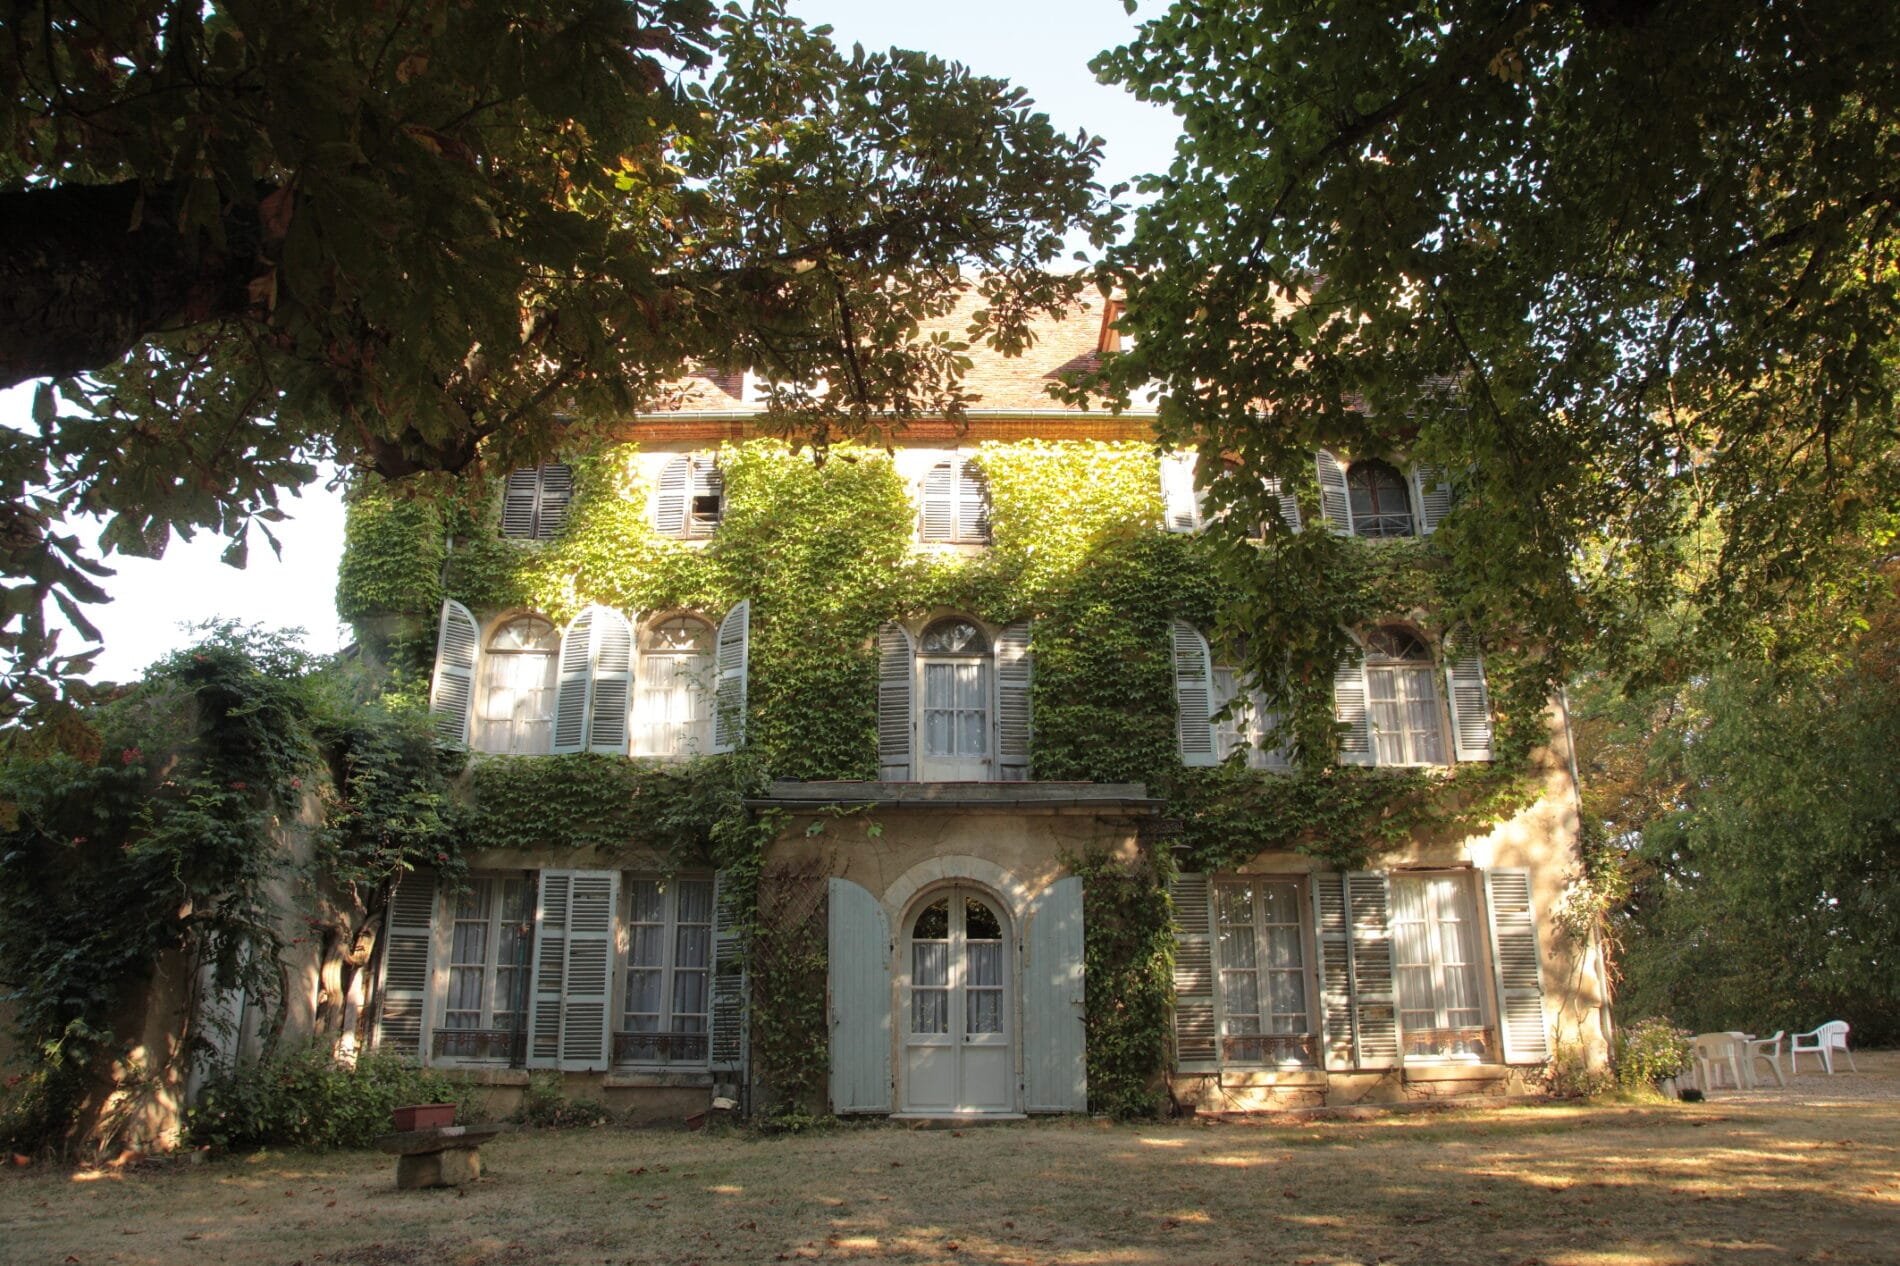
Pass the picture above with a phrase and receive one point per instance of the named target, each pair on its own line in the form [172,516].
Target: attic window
[691,498]
[534,501]
[956,503]
[1380,506]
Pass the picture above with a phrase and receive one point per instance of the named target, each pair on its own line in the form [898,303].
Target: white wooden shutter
[939,521]
[548,975]
[1349,709]
[670,498]
[1193,696]
[973,502]
[1055,1023]
[895,654]
[1517,966]
[858,941]
[574,689]
[1289,504]
[728,1038]
[1335,505]
[1374,993]
[708,484]
[1196,1044]
[1431,490]
[1013,674]
[452,691]
[1333,963]
[730,661]
[612,691]
[1180,500]
[587,993]
[557,493]
[402,1016]
[1469,699]
[518,498]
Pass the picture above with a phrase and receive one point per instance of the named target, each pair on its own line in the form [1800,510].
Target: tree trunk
[87,271]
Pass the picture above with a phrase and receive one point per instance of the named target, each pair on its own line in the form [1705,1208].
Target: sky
[1042,45]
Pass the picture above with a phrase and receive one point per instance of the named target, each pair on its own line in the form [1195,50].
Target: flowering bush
[1650,1050]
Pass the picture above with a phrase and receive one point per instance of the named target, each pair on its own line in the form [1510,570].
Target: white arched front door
[957,1005]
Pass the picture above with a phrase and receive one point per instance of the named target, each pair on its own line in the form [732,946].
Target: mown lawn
[1732,1181]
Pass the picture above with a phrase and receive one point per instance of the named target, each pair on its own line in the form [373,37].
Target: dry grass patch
[1734,1181]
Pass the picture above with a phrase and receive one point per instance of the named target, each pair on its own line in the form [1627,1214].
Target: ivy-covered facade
[933,781]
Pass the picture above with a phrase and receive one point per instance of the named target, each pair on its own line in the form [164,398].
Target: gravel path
[1877,1081]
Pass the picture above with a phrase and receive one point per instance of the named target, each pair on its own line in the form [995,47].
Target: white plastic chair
[1769,1049]
[1823,1042]
[1713,1053]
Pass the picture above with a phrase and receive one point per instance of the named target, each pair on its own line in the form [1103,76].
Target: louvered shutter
[1180,500]
[518,497]
[1349,709]
[574,689]
[973,502]
[895,655]
[1196,1045]
[557,493]
[548,976]
[670,498]
[1517,966]
[1334,966]
[728,1040]
[1432,492]
[859,944]
[587,990]
[1335,505]
[1470,700]
[402,1017]
[1374,995]
[612,691]
[452,692]
[939,502]
[1013,672]
[1193,696]
[1055,1064]
[1289,504]
[729,665]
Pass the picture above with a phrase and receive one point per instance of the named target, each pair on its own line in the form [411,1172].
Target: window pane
[929,963]
[695,900]
[933,922]
[980,922]
[930,1011]
[648,901]
[983,1011]
[986,964]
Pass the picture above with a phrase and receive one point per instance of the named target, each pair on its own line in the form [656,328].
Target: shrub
[1650,1050]
[545,1103]
[307,1097]
[1572,1076]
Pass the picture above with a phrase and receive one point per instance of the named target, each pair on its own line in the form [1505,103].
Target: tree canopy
[1625,268]
[245,239]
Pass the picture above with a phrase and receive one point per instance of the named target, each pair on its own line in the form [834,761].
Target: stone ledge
[468,1075]
[1457,1072]
[630,1079]
[1269,1078]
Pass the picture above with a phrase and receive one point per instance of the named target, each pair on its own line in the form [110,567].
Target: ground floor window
[1261,940]
[1436,951]
[667,1002]
[484,1007]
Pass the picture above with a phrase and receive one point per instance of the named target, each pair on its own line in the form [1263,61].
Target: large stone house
[979,762]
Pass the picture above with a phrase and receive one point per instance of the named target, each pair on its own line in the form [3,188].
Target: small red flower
[131,756]
[79,839]
[296,784]
[237,786]
[442,857]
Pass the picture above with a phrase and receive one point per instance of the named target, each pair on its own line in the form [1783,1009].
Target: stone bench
[446,1156]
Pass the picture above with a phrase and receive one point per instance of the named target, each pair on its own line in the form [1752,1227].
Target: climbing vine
[1128,961]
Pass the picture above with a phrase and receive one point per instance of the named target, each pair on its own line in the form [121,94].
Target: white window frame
[1406,491]
[1487,1049]
[985,662]
[698,1055]
[1309,1039]
[1403,675]
[487,664]
[446,912]
[1247,726]
[694,736]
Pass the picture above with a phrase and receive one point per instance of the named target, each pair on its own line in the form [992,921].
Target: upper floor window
[1214,718]
[691,498]
[515,705]
[675,707]
[970,691]
[1184,498]
[1380,506]
[1387,695]
[534,502]
[956,503]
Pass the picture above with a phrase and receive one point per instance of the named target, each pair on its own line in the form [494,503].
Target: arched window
[675,706]
[1407,715]
[956,503]
[953,662]
[1380,504]
[515,713]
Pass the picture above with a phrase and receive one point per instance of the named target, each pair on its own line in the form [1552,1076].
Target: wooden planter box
[424,1116]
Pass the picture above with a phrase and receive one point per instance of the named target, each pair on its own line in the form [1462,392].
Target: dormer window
[534,501]
[1380,504]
